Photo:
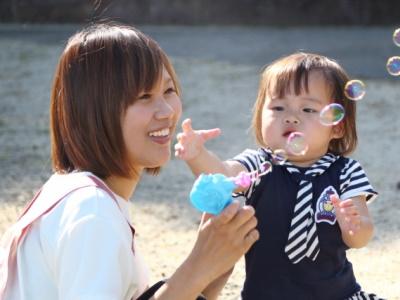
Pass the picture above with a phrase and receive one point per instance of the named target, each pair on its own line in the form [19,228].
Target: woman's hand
[221,241]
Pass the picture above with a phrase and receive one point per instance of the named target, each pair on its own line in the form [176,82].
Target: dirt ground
[218,68]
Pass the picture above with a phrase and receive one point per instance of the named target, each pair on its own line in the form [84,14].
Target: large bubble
[296,144]
[393,65]
[354,89]
[331,114]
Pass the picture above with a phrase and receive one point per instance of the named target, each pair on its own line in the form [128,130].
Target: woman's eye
[144,97]
[309,110]
[170,90]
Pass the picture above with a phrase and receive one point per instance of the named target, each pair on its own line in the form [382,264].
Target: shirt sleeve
[252,160]
[94,260]
[354,182]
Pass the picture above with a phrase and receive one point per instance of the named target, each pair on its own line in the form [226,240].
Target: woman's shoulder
[79,199]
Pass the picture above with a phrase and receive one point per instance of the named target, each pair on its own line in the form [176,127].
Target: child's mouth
[287,133]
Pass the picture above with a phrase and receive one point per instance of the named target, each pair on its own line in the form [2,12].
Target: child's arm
[354,220]
[190,147]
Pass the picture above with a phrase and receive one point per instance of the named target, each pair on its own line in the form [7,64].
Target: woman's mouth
[161,136]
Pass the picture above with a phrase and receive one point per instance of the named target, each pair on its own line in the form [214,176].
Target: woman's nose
[164,110]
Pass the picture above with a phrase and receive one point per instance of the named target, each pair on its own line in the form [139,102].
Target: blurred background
[218,49]
[205,12]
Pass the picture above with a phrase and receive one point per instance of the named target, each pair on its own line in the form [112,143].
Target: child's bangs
[288,80]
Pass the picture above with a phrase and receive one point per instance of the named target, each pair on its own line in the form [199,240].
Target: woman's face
[149,124]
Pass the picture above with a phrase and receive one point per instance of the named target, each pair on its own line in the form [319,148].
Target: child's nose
[292,120]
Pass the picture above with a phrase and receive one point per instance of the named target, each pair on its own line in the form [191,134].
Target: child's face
[300,113]
[149,123]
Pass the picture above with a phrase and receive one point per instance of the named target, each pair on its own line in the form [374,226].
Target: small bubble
[265,167]
[354,89]
[393,65]
[279,156]
[331,114]
[296,144]
[396,37]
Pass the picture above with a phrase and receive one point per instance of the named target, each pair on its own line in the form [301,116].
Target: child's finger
[179,137]
[336,203]
[209,133]
[346,203]
[179,152]
[349,211]
[187,125]
[334,200]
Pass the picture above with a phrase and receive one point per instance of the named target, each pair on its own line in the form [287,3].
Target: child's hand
[347,215]
[191,142]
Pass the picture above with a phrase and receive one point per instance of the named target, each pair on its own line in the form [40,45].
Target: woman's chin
[161,161]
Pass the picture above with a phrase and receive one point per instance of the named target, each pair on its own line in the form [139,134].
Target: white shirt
[81,250]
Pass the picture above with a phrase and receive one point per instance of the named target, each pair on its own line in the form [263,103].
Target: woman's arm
[213,289]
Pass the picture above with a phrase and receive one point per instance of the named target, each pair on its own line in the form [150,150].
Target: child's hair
[293,71]
[101,71]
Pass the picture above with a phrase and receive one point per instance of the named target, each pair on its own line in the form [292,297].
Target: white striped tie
[303,238]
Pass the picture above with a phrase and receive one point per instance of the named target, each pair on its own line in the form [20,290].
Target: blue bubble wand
[211,193]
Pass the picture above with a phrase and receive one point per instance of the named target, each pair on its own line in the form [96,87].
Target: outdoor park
[218,67]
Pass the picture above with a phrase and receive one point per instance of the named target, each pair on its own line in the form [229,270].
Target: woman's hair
[293,71]
[101,71]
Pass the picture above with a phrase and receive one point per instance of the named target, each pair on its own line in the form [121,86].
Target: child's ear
[338,131]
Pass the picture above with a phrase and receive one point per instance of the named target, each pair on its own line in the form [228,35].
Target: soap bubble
[331,114]
[354,89]
[396,37]
[279,156]
[393,65]
[265,168]
[296,144]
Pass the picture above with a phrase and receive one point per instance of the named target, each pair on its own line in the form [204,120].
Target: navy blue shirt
[269,272]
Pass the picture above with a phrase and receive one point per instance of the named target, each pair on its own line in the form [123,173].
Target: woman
[114,108]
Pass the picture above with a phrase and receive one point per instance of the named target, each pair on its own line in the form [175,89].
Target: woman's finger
[226,215]
[250,239]
[243,216]
[247,227]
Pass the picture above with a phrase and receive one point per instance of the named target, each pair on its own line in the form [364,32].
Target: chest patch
[324,208]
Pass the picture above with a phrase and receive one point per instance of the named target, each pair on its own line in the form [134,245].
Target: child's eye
[309,110]
[277,108]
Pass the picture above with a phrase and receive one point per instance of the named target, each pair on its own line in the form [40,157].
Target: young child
[313,207]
